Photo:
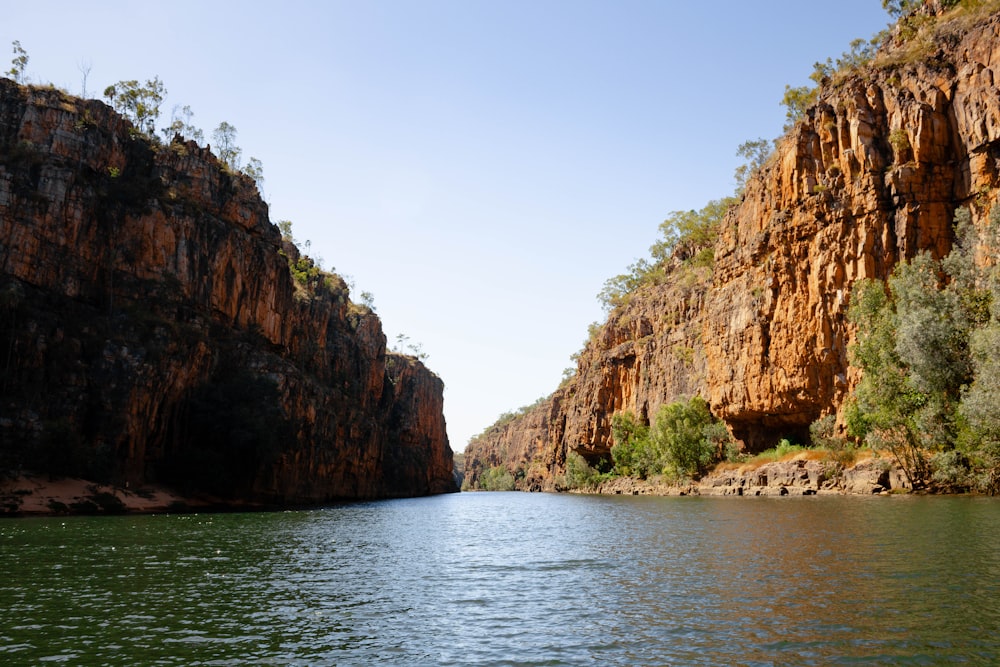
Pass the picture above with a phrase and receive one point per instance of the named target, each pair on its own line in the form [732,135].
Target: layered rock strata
[151,329]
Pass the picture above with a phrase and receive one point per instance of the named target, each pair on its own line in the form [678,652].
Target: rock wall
[151,329]
[648,353]
[797,476]
[871,175]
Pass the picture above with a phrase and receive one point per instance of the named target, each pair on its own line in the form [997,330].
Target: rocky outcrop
[152,330]
[797,476]
[871,175]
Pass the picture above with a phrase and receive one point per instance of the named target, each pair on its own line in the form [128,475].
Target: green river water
[512,579]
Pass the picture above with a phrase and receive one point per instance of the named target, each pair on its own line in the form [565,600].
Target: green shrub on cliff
[686,238]
[926,347]
[631,453]
[19,63]
[139,103]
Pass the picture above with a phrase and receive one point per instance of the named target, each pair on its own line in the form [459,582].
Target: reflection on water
[518,579]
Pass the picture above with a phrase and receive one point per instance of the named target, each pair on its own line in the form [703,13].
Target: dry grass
[846,457]
[922,35]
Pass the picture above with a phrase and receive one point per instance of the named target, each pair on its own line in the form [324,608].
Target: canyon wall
[872,174]
[151,329]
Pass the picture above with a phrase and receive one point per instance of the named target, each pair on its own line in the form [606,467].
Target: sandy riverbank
[39,495]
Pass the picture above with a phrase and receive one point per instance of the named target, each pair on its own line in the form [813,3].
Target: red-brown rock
[871,175]
[151,330]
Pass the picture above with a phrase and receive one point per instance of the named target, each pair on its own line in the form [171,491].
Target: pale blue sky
[481,167]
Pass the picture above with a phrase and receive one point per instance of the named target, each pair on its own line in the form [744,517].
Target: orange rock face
[152,332]
[872,175]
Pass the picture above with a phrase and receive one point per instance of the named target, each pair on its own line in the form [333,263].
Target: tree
[796,101]
[616,290]
[978,409]
[920,345]
[285,227]
[684,233]
[19,63]
[224,139]
[631,452]
[496,478]
[884,404]
[897,8]
[84,67]
[255,170]
[685,236]
[755,153]
[140,104]
[680,433]
[580,474]
[180,124]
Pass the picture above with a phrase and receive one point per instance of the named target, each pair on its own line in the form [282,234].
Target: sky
[481,167]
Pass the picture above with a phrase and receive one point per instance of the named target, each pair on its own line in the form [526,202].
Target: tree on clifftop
[224,140]
[19,63]
[140,104]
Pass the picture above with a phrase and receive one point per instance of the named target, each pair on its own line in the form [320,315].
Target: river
[512,579]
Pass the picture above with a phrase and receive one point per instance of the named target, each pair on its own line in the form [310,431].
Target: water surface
[512,579]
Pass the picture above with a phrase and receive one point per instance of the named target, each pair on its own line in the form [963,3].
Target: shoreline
[796,476]
[35,495]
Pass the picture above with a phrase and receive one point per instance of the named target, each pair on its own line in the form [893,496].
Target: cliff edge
[871,175]
[151,330]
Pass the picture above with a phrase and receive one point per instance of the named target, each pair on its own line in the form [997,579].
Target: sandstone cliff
[151,330]
[871,175]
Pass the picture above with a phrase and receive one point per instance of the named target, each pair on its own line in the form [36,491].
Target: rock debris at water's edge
[796,477]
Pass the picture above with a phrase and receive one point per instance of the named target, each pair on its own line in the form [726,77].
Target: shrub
[631,451]
[496,478]
[900,142]
[687,237]
[679,432]
[580,474]
[684,440]
[952,470]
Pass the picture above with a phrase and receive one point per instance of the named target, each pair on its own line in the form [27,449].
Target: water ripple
[512,579]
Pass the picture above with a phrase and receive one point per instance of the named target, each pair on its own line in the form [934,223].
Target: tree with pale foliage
[255,170]
[139,103]
[19,63]
[927,343]
[755,153]
[224,140]
[180,124]
[897,8]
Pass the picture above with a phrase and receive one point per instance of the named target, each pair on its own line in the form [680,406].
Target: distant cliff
[872,174]
[151,331]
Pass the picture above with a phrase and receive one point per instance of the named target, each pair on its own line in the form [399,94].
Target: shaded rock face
[871,176]
[151,330]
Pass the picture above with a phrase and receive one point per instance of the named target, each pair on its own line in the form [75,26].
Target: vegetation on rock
[925,345]
[155,326]
[879,155]
[683,441]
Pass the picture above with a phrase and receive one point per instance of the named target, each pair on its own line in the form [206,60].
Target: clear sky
[480,166]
